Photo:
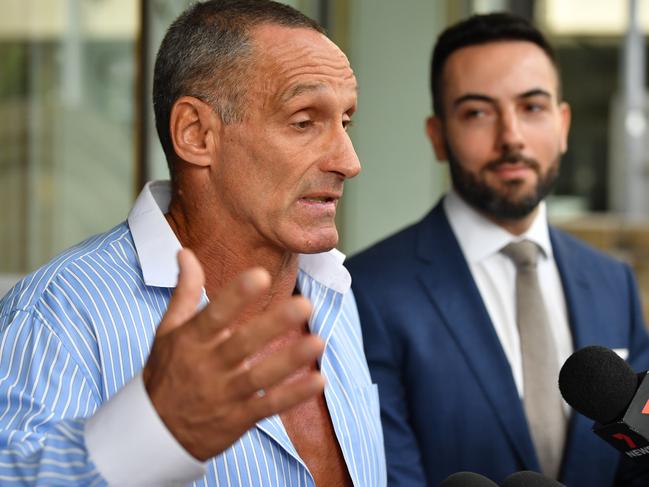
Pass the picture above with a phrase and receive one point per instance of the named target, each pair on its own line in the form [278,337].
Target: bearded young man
[468,315]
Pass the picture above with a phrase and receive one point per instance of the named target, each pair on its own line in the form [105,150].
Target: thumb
[187,295]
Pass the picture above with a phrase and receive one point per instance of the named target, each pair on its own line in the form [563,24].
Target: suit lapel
[449,284]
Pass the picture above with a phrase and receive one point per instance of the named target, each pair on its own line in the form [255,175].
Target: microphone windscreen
[597,383]
[529,479]
[467,479]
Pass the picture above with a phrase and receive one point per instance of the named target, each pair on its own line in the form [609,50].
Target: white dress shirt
[495,275]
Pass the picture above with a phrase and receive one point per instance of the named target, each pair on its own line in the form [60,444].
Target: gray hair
[207,53]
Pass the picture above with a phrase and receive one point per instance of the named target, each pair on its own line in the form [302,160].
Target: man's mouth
[319,199]
[513,162]
[511,171]
[321,204]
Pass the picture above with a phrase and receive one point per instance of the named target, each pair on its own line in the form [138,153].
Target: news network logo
[633,450]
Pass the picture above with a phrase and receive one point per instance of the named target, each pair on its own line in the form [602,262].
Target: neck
[225,253]
[514,226]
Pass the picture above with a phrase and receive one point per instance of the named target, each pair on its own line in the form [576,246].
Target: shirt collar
[157,245]
[479,237]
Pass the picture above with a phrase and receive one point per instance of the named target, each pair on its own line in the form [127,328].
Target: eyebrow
[488,99]
[472,97]
[535,92]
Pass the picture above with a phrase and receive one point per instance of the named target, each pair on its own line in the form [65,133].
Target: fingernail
[319,384]
[254,280]
[294,311]
[308,352]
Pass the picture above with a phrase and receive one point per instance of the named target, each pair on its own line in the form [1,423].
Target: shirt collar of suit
[480,238]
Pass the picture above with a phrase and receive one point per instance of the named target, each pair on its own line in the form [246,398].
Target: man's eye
[474,113]
[534,107]
[347,123]
[303,124]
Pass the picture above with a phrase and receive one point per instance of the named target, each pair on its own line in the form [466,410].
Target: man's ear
[194,128]
[435,132]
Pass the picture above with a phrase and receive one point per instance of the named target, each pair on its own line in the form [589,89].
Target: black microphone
[467,479]
[529,479]
[600,385]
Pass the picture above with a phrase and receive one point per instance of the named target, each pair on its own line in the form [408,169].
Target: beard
[506,202]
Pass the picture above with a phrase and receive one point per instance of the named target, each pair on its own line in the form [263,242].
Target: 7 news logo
[633,451]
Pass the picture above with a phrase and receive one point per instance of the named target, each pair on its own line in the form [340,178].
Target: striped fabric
[77,330]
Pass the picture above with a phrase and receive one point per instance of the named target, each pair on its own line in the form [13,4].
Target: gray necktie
[542,400]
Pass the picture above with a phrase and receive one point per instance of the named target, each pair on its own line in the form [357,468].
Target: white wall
[389,47]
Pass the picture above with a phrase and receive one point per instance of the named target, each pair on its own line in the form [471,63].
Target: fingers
[199,375]
[276,368]
[187,295]
[248,339]
[286,396]
[231,301]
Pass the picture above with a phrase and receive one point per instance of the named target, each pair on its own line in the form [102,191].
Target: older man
[252,103]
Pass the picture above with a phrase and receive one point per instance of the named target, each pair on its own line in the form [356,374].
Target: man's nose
[510,135]
[343,159]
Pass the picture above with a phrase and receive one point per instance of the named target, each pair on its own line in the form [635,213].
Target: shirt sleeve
[53,430]
[148,454]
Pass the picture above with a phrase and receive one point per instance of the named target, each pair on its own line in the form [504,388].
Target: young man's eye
[534,107]
[347,123]
[473,113]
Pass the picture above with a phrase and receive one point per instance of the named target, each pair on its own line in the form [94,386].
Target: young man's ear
[194,129]
[435,132]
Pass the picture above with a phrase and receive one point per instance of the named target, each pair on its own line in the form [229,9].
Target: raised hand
[200,375]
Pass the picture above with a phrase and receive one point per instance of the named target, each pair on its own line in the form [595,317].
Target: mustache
[513,158]
[322,187]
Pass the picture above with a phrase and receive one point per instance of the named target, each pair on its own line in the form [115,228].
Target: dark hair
[207,53]
[481,29]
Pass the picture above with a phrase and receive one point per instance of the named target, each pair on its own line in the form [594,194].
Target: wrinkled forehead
[288,56]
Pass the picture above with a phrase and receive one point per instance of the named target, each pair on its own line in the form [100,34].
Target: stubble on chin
[508,200]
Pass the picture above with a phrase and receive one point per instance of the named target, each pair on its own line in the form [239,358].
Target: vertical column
[628,161]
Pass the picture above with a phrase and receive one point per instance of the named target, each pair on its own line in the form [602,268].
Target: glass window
[67,124]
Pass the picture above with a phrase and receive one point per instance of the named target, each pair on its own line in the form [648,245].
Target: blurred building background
[77,138]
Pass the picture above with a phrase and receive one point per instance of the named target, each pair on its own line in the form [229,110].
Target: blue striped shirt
[78,330]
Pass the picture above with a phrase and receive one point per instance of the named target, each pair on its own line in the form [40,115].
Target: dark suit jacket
[448,398]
